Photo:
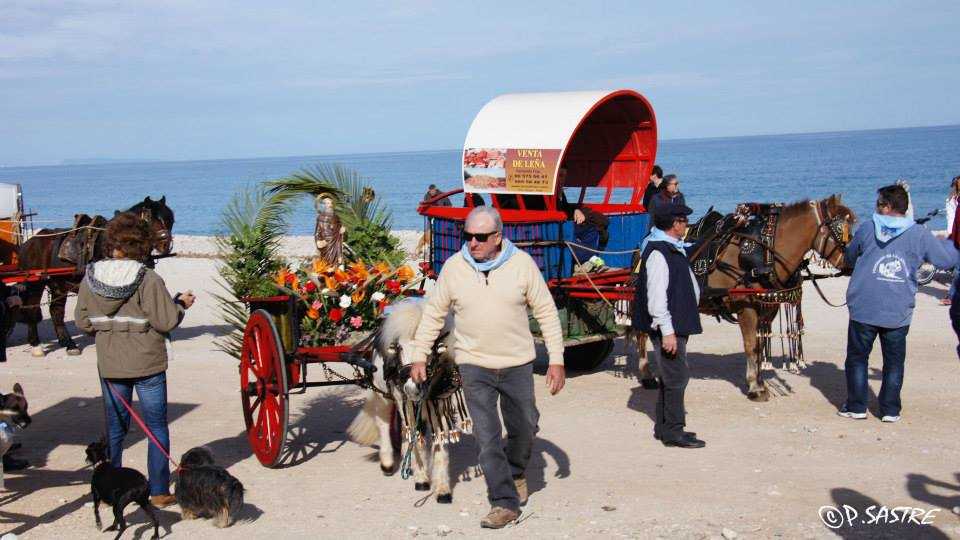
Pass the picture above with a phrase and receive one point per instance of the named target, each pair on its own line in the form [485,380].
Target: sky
[182,79]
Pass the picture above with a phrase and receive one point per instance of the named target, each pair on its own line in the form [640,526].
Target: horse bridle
[163,235]
[837,229]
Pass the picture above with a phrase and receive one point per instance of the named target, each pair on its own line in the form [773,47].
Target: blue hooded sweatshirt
[883,286]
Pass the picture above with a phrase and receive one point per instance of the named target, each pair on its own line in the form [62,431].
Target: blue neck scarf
[656,235]
[507,249]
[886,228]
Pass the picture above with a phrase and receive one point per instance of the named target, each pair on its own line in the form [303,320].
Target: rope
[587,248]
[142,424]
[68,231]
[592,284]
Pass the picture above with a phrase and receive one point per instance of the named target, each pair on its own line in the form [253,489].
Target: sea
[717,172]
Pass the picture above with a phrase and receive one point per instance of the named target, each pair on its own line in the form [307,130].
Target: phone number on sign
[838,516]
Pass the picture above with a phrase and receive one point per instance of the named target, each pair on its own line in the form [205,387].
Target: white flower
[324,291]
[377,296]
[345,301]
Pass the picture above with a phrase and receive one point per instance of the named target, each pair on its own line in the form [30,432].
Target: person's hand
[187,299]
[14,301]
[578,216]
[556,376]
[670,343]
[418,372]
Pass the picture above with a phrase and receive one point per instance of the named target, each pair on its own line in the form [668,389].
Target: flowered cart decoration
[342,304]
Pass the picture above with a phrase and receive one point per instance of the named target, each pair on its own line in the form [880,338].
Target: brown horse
[822,226]
[42,250]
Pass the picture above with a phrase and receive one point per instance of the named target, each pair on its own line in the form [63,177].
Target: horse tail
[363,429]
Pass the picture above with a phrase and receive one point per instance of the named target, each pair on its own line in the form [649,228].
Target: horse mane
[401,325]
[833,202]
[793,210]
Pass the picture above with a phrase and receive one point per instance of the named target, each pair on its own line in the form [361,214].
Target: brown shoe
[522,493]
[499,517]
[163,501]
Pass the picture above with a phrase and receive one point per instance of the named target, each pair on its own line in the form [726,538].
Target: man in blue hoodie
[885,254]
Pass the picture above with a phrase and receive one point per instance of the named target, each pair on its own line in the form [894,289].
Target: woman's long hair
[954,189]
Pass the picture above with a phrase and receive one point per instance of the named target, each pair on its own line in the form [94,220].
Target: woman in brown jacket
[128,308]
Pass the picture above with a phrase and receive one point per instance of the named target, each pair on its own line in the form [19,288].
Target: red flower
[336,314]
[424,267]
[393,286]
[310,287]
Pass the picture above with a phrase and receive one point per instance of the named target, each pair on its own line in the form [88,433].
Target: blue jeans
[152,391]
[513,389]
[893,344]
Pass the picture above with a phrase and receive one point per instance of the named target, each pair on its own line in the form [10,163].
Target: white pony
[443,411]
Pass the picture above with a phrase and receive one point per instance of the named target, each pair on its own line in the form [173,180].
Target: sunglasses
[480,236]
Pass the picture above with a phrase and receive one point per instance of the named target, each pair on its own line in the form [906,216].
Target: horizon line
[130,161]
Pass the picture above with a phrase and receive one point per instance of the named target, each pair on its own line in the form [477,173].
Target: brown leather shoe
[163,501]
[522,492]
[499,517]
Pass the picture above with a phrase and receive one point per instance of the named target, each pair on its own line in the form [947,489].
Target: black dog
[205,490]
[13,414]
[117,486]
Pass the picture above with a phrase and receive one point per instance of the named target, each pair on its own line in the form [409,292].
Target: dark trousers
[955,309]
[893,344]
[513,389]
[586,234]
[674,374]
[152,392]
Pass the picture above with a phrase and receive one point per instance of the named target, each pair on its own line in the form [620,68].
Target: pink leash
[143,426]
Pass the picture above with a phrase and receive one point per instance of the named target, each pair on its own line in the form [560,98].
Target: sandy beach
[597,472]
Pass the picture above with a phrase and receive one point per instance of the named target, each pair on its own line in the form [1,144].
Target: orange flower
[282,277]
[340,276]
[405,273]
[358,296]
[320,266]
[331,283]
[381,268]
[313,314]
[359,271]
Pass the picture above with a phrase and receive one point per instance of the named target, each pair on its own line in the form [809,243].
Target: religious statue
[328,232]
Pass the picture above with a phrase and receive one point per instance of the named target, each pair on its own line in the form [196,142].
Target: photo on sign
[484,158]
[486,179]
[484,169]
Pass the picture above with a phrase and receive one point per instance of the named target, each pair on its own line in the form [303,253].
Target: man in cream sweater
[489,286]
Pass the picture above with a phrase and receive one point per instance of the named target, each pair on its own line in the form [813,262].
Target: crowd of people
[490,286]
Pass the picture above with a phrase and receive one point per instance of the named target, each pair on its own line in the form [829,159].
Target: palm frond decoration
[252,229]
[366,220]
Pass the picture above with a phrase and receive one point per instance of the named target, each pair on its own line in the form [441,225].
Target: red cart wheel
[263,388]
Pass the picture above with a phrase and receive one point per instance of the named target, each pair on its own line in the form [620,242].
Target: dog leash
[142,424]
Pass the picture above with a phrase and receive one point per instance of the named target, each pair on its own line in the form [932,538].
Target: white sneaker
[890,418]
[854,415]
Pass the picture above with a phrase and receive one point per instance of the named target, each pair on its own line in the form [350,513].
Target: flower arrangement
[342,302]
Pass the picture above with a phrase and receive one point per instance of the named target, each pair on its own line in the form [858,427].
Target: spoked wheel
[587,356]
[263,388]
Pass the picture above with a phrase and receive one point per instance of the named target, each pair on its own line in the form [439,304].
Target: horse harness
[755,226]
[78,245]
